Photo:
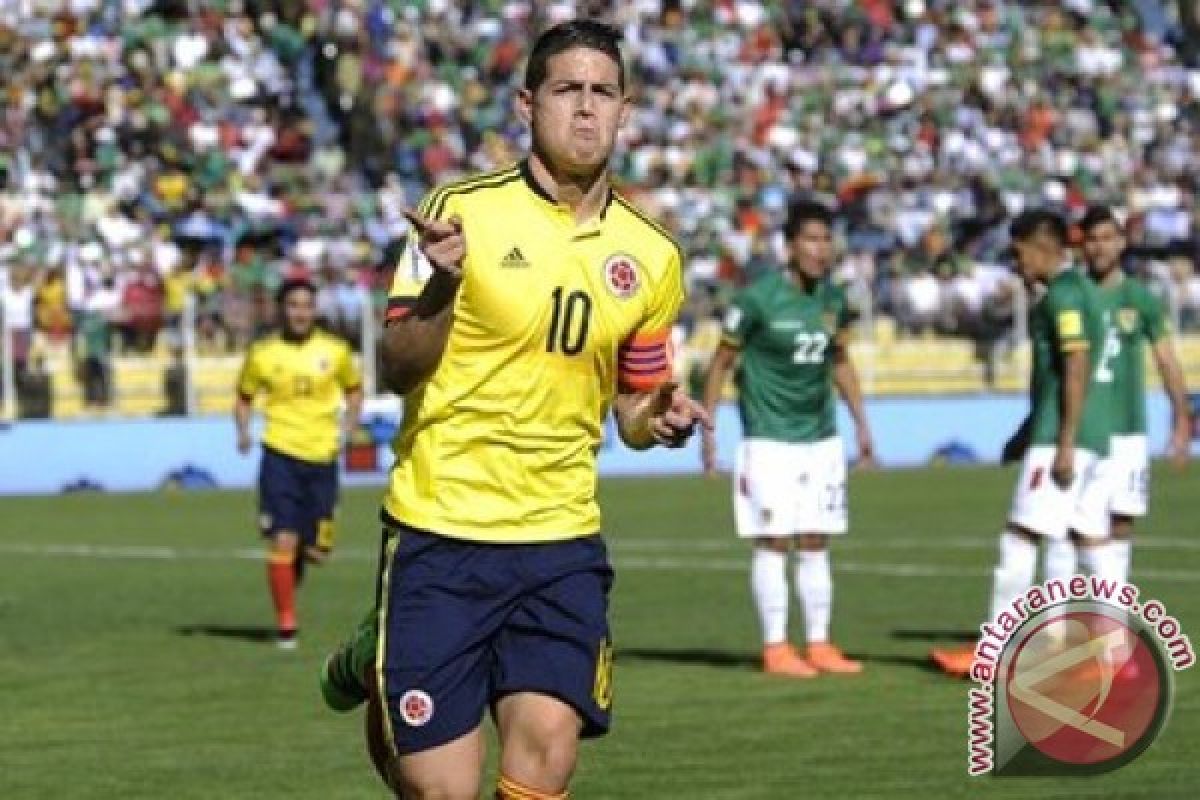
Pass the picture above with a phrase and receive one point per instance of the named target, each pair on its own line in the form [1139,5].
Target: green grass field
[133,662]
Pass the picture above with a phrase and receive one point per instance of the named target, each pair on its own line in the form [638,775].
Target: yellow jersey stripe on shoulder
[491,181]
[438,192]
[637,212]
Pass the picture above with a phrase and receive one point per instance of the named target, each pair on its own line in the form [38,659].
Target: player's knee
[777,544]
[285,542]
[541,752]
[812,542]
[315,555]
[1122,527]
[1024,533]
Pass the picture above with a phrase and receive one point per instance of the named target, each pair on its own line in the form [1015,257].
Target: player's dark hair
[1039,220]
[564,36]
[1098,215]
[804,212]
[291,285]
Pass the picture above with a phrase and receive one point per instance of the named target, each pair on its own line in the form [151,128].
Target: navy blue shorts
[465,623]
[297,495]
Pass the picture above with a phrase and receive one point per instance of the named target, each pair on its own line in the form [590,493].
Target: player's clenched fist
[441,242]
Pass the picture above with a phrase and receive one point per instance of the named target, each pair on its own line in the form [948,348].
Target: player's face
[576,111]
[1037,258]
[299,312]
[1102,248]
[812,250]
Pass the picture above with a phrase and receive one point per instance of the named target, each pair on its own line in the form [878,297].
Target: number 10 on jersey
[569,320]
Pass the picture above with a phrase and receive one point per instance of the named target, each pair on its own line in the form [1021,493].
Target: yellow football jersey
[303,383]
[499,444]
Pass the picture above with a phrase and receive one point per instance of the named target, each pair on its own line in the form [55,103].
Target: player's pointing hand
[441,241]
[674,415]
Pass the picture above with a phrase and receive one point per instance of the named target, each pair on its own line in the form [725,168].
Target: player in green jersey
[791,330]
[1137,319]
[1062,489]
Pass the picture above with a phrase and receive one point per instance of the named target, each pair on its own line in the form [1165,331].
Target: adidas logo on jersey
[515,258]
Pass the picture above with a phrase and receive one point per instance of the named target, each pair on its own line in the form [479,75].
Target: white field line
[625,557]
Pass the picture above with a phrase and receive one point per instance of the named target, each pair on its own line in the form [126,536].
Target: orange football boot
[826,657]
[782,659]
[954,662]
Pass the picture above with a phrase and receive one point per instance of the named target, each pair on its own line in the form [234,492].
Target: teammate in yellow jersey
[305,375]
[529,302]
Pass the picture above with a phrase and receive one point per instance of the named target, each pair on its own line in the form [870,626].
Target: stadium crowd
[152,150]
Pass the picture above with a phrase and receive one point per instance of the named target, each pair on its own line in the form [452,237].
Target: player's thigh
[442,603]
[767,482]
[282,504]
[451,770]
[821,495]
[557,642]
[1039,505]
[1129,475]
[1090,515]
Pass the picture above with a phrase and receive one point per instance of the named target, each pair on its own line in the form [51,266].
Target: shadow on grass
[693,656]
[749,661]
[246,633]
[922,663]
[935,635]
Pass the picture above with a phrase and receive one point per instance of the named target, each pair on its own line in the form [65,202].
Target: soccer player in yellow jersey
[528,303]
[305,375]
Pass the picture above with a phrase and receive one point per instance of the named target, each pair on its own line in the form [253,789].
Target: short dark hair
[588,33]
[1038,220]
[1098,215]
[291,285]
[802,213]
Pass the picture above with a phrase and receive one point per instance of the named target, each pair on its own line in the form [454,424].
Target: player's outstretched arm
[714,384]
[1181,423]
[664,416]
[845,378]
[412,346]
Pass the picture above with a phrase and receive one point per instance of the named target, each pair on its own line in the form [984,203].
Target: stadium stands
[188,155]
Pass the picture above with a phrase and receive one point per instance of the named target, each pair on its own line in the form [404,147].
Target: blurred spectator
[142,306]
[17,308]
[202,151]
[93,348]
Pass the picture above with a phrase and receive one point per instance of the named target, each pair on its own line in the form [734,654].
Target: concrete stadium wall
[40,457]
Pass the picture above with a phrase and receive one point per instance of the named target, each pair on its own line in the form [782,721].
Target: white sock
[1060,561]
[1122,553]
[1101,560]
[814,587]
[768,581]
[1014,574]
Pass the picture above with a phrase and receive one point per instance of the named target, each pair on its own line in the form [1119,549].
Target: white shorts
[784,488]
[1040,506]
[1129,474]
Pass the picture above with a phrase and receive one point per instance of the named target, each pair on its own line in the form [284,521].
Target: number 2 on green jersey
[1112,349]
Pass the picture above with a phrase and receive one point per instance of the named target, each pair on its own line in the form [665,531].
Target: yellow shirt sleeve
[644,360]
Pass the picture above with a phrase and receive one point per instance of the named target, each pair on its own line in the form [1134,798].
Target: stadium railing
[187,381]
